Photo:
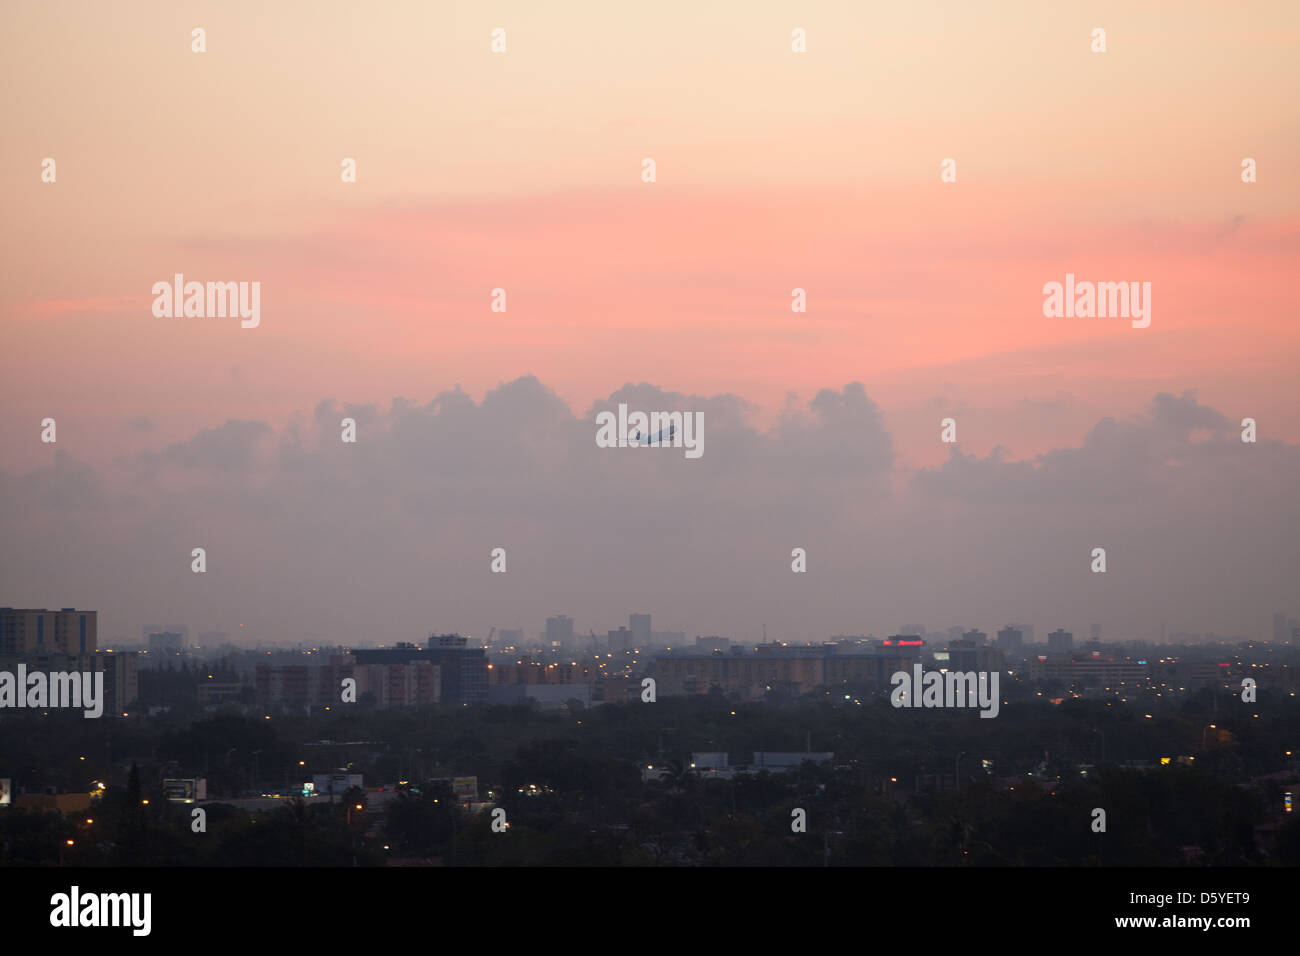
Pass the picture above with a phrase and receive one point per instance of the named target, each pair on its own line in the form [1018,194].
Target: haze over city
[312,539]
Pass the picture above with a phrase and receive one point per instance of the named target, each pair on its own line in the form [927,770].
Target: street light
[353,834]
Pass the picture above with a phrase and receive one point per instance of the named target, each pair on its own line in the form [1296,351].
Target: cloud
[1185,413]
[390,537]
[229,447]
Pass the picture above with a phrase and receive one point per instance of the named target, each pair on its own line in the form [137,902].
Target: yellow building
[37,631]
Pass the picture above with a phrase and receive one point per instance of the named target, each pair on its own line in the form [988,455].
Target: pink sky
[521,170]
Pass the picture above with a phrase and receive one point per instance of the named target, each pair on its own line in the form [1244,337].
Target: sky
[774,170]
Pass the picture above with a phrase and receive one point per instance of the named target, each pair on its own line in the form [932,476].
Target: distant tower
[559,631]
[619,641]
[1060,641]
[1011,640]
[639,625]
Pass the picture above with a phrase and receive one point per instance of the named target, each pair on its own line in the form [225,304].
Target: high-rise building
[1026,629]
[909,645]
[1279,627]
[400,685]
[1060,641]
[1011,640]
[639,625]
[511,637]
[121,672]
[979,637]
[38,631]
[463,669]
[559,631]
[619,641]
[306,685]
[971,654]
[1095,632]
[169,641]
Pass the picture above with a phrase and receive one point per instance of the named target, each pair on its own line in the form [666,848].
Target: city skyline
[177,637]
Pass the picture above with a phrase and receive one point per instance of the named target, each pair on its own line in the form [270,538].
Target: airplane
[664,437]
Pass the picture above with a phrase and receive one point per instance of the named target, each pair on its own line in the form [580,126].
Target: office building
[464,669]
[37,631]
[1011,641]
[1090,671]
[970,654]
[1060,641]
[639,625]
[304,685]
[121,673]
[559,631]
[166,641]
[619,641]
